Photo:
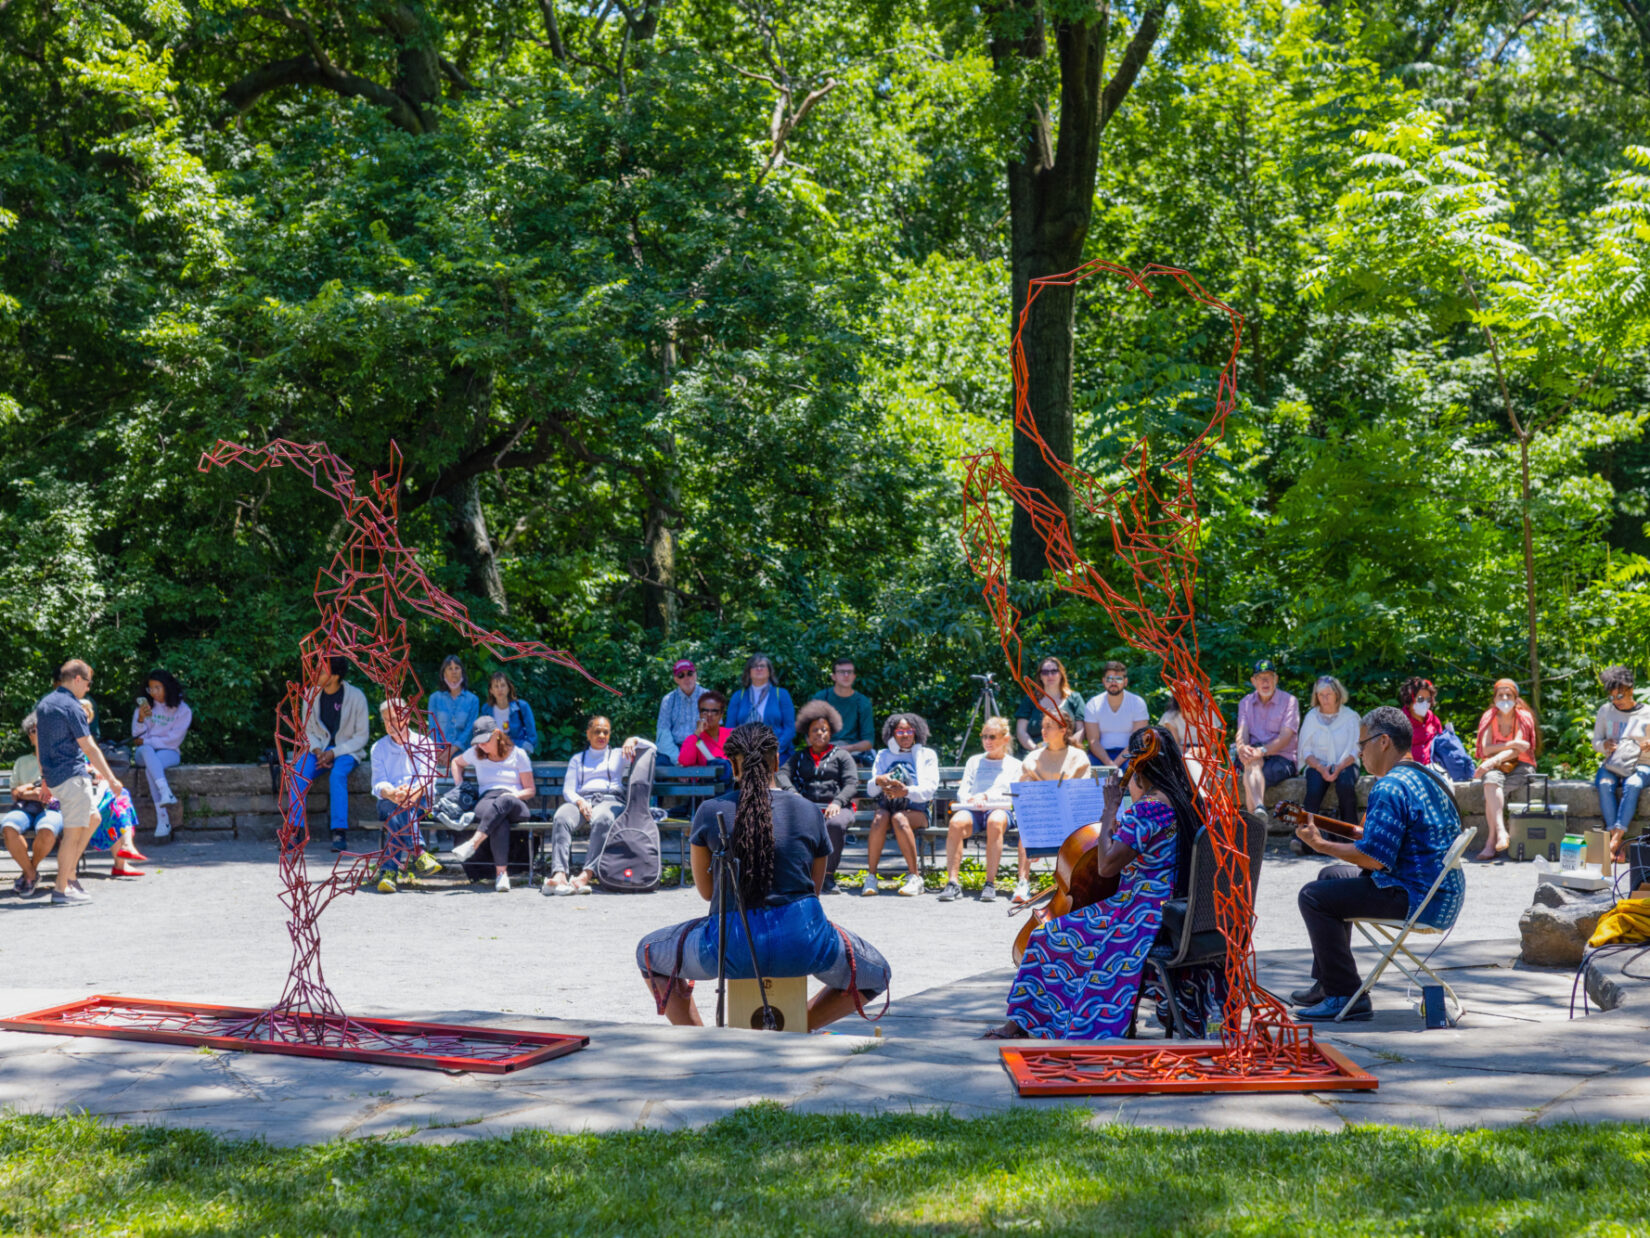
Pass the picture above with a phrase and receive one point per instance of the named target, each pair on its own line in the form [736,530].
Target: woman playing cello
[1080,978]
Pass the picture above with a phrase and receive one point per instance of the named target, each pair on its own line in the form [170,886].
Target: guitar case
[629,862]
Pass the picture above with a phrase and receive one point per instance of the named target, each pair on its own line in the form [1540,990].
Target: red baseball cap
[683,665]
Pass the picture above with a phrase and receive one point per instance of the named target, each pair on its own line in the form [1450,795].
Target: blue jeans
[400,832]
[1611,784]
[337,786]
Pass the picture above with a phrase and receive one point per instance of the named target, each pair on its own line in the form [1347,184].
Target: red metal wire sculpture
[365,596]
[1153,520]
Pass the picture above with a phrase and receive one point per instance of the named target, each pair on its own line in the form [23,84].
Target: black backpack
[629,862]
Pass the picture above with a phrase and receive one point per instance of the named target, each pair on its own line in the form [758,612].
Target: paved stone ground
[206,926]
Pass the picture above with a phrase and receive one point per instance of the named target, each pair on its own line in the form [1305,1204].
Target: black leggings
[496,812]
[837,825]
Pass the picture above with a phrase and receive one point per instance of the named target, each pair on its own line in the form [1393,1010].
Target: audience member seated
[983,803]
[511,713]
[593,794]
[1509,740]
[857,735]
[1057,694]
[68,758]
[704,744]
[505,775]
[1112,716]
[781,843]
[1191,743]
[1409,827]
[1621,735]
[335,724]
[453,712]
[584,880]
[1080,978]
[159,725]
[403,771]
[1418,698]
[114,828]
[1329,749]
[1054,760]
[33,811]
[904,777]
[761,699]
[679,710]
[824,773]
[1268,722]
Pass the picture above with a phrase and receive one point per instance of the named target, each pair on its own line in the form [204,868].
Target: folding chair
[1388,936]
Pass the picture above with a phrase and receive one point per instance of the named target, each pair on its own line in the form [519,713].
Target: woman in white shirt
[505,775]
[904,777]
[983,802]
[1329,749]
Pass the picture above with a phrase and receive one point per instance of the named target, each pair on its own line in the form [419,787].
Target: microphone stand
[725,875]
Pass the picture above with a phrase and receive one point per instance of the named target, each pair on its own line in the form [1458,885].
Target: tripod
[985,706]
[725,877]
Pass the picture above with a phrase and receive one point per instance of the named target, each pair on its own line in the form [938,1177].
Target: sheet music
[1047,813]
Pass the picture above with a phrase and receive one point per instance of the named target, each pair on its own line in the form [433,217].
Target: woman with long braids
[1080,979]
[781,844]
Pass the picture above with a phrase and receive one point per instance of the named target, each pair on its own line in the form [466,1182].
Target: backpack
[629,861]
[1448,751]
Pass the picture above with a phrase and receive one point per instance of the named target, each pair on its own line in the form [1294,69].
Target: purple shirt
[1262,723]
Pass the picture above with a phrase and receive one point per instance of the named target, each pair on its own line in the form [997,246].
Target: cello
[1077,879]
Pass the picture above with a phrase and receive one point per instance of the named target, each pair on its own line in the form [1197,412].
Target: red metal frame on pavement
[1138,1069]
[387,1042]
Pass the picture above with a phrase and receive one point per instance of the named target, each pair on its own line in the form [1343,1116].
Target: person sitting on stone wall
[336,727]
[1621,735]
[403,770]
[1509,740]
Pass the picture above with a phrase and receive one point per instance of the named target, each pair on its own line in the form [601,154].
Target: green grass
[765,1171]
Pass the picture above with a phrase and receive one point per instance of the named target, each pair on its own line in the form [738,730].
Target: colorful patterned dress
[1081,973]
[117,813]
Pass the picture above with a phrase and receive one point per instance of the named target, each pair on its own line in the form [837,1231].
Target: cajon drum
[787,995]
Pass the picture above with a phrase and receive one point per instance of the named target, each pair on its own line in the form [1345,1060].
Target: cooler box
[1536,828]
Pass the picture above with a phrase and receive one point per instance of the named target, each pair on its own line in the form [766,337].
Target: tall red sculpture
[365,596]
[1153,521]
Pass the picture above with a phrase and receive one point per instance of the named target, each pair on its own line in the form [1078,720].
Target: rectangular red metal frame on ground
[1136,1069]
[386,1042]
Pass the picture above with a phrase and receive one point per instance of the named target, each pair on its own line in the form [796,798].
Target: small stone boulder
[1558,923]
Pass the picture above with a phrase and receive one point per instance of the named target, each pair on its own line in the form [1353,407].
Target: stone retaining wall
[238,798]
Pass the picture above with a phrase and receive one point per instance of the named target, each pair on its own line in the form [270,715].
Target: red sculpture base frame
[1136,1070]
[386,1042]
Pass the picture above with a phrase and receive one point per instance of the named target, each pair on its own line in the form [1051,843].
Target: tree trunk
[475,546]
[1529,568]
[659,550]
[1051,203]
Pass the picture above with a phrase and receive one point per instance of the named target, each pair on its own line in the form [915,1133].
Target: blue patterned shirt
[1409,828]
[678,718]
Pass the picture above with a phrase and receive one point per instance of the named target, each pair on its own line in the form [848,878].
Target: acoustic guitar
[1291,813]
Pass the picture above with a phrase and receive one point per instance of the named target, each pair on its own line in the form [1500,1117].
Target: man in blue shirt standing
[68,754]
[1408,829]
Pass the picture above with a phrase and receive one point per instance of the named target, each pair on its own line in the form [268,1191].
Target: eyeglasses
[1050,670]
[710,713]
[683,674]
[1615,692]
[904,730]
[1370,740]
[1116,679]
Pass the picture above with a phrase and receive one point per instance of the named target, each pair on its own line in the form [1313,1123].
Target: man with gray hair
[403,770]
[68,754]
[1407,832]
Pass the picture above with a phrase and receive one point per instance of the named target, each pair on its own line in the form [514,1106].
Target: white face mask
[1505,706]
[1422,708]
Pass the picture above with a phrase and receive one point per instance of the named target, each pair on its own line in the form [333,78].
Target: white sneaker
[469,847]
[1022,891]
[163,830]
[502,885]
[869,889]
[912,886]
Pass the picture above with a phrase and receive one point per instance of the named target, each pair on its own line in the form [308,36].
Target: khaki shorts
[74,800]
[1518,780]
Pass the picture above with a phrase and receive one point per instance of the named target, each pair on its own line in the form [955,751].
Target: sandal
[130,853]
[1008,1031]
[127,872]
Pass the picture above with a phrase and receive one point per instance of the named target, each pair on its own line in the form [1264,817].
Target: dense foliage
[682,312]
